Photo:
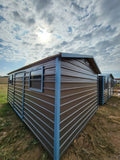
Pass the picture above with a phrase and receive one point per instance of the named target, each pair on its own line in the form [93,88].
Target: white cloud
[85,27]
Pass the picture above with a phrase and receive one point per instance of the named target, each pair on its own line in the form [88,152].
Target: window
[36,79]
[11,79]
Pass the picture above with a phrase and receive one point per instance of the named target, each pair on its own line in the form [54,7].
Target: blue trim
[97,92]
[57,108]
[23,94]
[102,90]
[35,69]
[70,55]
[13,89]
[17,113]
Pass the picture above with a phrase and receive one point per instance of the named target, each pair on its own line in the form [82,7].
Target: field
[100,140]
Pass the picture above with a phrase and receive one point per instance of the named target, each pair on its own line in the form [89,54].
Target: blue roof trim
[107,75]
[70,55]
[63,55]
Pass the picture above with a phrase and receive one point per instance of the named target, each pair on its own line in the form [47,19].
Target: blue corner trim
[13,89]
[97,92]
[23,94]
[57,108]
[102,90]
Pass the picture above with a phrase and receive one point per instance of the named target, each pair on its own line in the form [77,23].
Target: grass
[16,141]
[3,93]
[100,139]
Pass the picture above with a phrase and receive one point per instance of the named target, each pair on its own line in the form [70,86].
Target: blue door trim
[102,90]
[23,94]
[57,108]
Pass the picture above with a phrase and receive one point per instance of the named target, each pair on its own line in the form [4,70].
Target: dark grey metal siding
[38,112]
[103,89]
[78,98]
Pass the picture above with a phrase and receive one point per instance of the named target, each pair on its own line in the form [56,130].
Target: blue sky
[34,29]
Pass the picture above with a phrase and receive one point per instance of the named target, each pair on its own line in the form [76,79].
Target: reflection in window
[11,79]
[36,80]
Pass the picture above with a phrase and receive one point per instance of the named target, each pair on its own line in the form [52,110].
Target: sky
[31,30]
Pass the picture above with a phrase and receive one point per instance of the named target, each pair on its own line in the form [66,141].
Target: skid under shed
[55,97]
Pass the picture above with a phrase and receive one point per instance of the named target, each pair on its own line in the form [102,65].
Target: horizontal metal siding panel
[37,133]
[75,126]
[66,91]
[40,127]
[81,63]
[100,90]
[78,99]
[10,93]
[18,96]
[68,73]
[39,107]
[77,131]
[77,68]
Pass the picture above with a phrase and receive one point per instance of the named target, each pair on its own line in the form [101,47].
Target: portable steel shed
[111,84]
[106,83]
[103,89]
[55,97]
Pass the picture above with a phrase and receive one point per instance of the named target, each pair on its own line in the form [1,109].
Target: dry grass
[3,80]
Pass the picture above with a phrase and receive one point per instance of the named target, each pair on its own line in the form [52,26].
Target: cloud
[40,4]
[2,19]
[20,18]
[88,27]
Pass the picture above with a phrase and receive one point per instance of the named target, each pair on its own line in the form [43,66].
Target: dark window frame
[11,79]
[36,69]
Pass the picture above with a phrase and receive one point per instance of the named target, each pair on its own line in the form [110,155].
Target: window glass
[36,82]
[11,79]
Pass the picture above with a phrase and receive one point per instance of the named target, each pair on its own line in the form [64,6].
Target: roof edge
[63,55]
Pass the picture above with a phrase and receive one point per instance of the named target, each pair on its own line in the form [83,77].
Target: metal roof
[108,75]
[63,55]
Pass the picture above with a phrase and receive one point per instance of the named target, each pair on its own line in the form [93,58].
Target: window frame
[11,81]
[35,69]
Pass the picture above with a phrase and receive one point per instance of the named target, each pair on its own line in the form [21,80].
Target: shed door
[19,93]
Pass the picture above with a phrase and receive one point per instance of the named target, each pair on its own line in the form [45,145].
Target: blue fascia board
[57,109]
[106,74]
[71,55]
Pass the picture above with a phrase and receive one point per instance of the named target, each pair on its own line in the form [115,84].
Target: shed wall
[78,98]
[37,107]
[103,90]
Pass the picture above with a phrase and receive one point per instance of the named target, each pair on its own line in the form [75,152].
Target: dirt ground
[99,140]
